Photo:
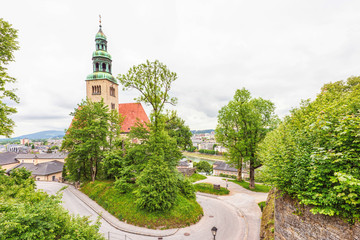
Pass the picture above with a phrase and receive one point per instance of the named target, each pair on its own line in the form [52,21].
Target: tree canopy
[91,134]
[29,214]
[8,44]
[158,183]
[314,154]
[242,124]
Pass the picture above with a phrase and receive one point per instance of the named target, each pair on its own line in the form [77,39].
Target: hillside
[40,135]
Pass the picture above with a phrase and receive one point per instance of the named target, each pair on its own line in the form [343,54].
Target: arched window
[97,67]
[99,92]
[109,68]
[104,67]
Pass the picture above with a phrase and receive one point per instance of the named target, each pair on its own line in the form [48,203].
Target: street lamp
[213,231]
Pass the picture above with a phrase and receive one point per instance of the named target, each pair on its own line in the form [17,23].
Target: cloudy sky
[279,50]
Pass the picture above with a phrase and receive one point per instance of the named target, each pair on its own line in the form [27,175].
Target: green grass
[262,205]
[204,156]
[209,188]
[185,211]
[196,177]
[258,187]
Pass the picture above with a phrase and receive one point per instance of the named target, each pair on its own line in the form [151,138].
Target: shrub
[314,154]
[227,175]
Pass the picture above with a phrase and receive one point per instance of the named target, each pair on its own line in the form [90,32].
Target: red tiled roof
[133,113]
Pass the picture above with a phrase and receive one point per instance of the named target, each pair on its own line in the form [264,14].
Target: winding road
[236,216]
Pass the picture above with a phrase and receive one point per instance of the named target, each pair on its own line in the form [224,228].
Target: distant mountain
[202,131]
[42,135]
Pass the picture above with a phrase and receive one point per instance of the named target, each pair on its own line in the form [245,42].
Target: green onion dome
[100,35]
[101,53]
[101,75]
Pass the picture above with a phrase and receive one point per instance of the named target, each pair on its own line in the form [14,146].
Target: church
[101,84]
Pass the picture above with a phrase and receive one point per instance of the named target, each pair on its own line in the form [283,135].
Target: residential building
[224,168]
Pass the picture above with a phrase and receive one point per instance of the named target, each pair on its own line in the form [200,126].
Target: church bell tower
[101,84]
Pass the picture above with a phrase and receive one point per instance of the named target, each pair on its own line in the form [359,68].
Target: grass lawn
[258,187]
[209,188]
[204,156]
[185,211]
[196,177]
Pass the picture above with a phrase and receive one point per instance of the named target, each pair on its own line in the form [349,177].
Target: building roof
[133,113]
[41,169]
[219,165]
[58,155]
[8,158]
[101,75]
[183,164]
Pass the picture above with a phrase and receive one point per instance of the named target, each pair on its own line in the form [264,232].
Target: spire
[100,21]
[101,58]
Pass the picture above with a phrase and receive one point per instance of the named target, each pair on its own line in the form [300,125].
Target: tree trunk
[252,175]
[239,173]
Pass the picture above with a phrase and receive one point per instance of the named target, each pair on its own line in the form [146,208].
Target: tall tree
[242,124]
[88,138]
[8,44]
[153,80]
[176,128]
[156,183]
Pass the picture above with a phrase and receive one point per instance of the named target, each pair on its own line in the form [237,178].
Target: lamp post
[213,231]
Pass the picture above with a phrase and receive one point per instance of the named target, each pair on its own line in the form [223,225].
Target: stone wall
[297,222]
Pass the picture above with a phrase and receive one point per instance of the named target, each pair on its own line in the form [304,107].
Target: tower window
[97,67]
[96,90]
[109,68]
[112,91]
[104,67]
[113,106]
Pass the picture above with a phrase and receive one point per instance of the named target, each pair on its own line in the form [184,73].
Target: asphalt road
[231,225]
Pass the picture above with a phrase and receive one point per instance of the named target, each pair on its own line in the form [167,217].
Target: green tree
[176,128]
[8,44]
[157,182]
[242,124]
[314,154]
[88,139]
[203,166]
[153,80]
[29,214]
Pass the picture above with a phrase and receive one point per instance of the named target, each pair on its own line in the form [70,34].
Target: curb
[76,193]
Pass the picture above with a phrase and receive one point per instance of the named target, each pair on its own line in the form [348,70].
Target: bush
[227,175]
[157,187]
[203,166]
[314,154]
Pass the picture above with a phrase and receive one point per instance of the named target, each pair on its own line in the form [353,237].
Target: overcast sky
[283,51]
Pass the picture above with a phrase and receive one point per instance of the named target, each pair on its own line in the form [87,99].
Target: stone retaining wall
[297,222]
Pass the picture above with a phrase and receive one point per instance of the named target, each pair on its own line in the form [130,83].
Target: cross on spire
[100,20]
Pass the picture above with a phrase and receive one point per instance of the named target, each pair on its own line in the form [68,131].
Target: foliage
[191,149]
[186,187]
[89,138]
[157,185]
[206,151]
[209,188]
[262,205]
[29,214]
[314,154]
[227,175]
[176,128]
[242,124]
[8,44]
[258,187]
[196,177]
[153,80]
[122,205]
[203,166]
